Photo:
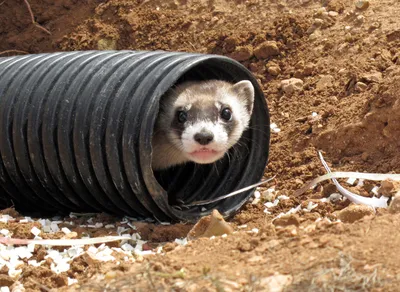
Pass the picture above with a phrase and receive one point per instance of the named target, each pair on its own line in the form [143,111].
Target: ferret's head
[204,119]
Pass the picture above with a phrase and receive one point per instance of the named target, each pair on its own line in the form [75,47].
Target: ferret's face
[205,119]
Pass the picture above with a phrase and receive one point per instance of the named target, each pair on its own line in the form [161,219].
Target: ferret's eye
[182,116]
[226,114]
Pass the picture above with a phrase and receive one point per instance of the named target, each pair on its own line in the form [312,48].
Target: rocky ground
[331,76]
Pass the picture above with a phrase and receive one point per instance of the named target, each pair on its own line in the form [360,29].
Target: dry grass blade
[13,51]
[206,202]
[33,18]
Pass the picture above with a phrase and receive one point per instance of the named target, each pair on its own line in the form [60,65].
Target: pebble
[315,35]
[353,213]
[242,53]
[335,197]
[362,4]
[360,87]
[276,283]
[266,49]
[360,19]
[292,85]
[333,13]
[208,226]
[325,82]
[394,206]
[372,77]
[274,70]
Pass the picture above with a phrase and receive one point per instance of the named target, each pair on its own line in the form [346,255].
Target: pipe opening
[185,184]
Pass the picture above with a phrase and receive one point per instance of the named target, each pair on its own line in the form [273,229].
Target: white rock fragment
[23,252]
[274,128]
[26,220]
[283,197]
[18,287]
[34,263]
[182,241]
[35,231]
[351,181]
[5,232]
[54,227]
[13,273]
[109,226]
[375,190]
[72,281]
[311,206]
[4,289]
[255,230]
[75,251]
[127,247]
[66,230]
[6,218]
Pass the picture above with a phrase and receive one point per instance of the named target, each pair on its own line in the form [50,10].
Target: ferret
[200,121]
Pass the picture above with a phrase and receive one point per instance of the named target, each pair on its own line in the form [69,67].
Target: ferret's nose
[204,137]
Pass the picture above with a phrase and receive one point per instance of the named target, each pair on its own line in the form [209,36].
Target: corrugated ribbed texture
[76,128]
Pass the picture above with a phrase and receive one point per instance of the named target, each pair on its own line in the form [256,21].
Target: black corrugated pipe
[76,130]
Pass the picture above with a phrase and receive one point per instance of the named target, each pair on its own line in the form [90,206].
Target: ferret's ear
[245,90]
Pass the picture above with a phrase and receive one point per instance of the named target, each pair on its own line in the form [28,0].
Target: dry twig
[33,18]
[13,51]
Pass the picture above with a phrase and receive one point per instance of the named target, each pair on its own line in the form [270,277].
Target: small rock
[325,82]
[372,77]
[362,4]
[315,35]
[308,69]
[388,188]
[276,283]
[266,49]
[360,19]
[291,85]
[316,24]
[211,225]
[242,53]
[333,13]
[353,213]
[335,197]
[360,87]
[287,220]
[274,70]
[394,206]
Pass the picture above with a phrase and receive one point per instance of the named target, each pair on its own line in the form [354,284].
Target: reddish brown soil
[357,127]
